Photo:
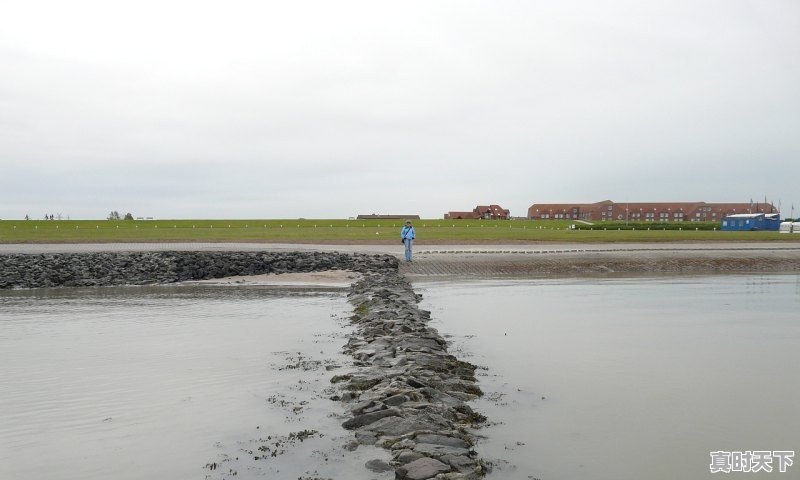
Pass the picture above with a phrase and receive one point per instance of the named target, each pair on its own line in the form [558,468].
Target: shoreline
[442,262]
[327,279]
[392,248]
[597,263]
[407,394]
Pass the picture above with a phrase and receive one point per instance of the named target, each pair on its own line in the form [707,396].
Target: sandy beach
[331,279]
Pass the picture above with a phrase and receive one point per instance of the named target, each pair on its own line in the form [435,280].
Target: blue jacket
[408,232]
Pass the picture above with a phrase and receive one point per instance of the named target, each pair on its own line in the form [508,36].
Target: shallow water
[597,379]
[173,382]
[631,378]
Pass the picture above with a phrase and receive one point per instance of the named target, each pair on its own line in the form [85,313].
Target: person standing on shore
[407,235]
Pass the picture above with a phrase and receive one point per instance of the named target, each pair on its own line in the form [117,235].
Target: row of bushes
[650,225]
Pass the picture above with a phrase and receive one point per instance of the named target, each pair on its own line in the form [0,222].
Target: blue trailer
[752,221]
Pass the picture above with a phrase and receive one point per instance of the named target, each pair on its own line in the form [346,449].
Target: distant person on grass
[407,235]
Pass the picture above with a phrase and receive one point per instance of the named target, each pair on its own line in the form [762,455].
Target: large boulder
[421,469]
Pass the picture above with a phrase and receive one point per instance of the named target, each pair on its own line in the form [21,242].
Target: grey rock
[378,466]
[368,418]
[396,400]
[421,469]
[407,456]
[441,440]
[398,426]
[404,444]
[366,438]
[361,406]
[461,462]
[431,450]
[374,408]
[458,476]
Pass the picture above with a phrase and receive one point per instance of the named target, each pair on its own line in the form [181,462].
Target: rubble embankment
[409,395]
[145,268]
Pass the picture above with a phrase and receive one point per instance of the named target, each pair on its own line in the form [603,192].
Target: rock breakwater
[407,394]
[143,268]
[410,395]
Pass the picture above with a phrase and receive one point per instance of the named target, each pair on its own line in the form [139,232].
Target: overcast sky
[329,109]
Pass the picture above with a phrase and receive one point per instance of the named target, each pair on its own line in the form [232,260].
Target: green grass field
[358,231]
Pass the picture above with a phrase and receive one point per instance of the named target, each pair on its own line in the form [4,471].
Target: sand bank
[304,280]
[594,262]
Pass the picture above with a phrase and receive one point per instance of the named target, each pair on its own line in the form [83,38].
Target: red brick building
[645,212]
[486,212]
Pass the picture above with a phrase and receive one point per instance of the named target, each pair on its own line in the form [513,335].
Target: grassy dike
[434,231]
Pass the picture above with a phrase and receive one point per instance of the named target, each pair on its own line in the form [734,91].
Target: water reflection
[628,379]
[156,382]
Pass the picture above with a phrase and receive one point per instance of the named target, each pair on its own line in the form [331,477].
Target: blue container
[751,222]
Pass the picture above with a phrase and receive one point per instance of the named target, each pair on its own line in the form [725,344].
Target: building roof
[387,217]
[656,206]
[469,214]
[480,211]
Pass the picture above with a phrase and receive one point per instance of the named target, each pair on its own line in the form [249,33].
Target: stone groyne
[409,395]
[144,268]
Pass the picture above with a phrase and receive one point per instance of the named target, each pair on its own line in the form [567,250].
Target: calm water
[629,379]
[158,382]
[640,378]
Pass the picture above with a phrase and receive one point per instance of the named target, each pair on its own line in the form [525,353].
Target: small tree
[128,216]
[113,215]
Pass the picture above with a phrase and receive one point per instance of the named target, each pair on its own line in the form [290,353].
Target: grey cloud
[325,110]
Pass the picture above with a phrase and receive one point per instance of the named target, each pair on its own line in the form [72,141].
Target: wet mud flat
[600,263]
[300,436]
